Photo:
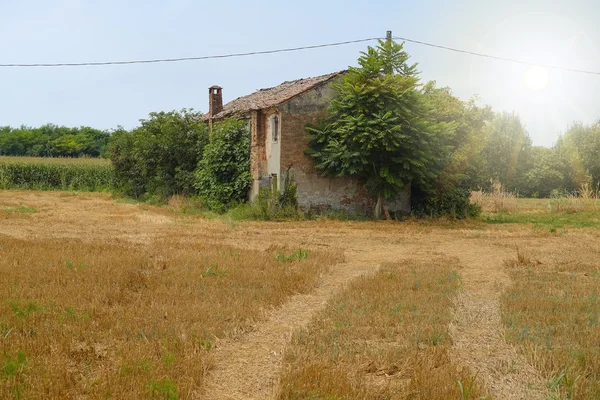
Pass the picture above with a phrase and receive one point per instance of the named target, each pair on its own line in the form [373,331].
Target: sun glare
[536,78]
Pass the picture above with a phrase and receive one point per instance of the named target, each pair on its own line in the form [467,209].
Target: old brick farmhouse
[277,119]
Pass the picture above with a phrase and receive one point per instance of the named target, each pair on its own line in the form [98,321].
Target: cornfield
[26,173]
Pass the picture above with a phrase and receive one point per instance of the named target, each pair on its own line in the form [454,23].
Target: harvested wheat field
[107,299]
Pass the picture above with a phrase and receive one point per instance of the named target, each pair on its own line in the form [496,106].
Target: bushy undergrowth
[271,204]
[223,173]
[158,159]
[497,200]
[453,203]
[261,211]
[56,175]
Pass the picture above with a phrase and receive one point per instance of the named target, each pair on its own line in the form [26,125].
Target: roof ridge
[272,96]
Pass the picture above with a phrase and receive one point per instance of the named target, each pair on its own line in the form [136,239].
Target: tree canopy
[379,127]
[53,141]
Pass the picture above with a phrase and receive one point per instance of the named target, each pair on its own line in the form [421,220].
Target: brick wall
[315,191]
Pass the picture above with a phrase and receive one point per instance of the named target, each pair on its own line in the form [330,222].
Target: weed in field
[164,389]
[584,200]
[552,222]
[465,391]
[24,311]
[338,215]
[187,205]
[499,200]
[563,382]
[213,270]
[206,344]
[294,256]
[13,363]
[126,200]
[73,267]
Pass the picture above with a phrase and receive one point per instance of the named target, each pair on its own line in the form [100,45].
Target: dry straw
[583,200]
[498,200]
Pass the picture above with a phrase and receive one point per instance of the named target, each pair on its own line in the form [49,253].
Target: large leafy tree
[379,127]
[458,153]
[466,141]
[507,150]
[581,145]
[548,171]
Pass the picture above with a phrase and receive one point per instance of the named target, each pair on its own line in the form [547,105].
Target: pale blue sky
[104,97]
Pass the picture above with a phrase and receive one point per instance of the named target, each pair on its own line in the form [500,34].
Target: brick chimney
[215,100]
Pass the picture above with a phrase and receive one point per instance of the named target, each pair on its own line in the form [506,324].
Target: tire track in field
[477,331]
[249,367]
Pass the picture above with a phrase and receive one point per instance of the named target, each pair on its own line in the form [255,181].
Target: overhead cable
[163,60]
[291,49]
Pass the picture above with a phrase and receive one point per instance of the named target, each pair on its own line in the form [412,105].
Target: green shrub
[453,203]
[223,174]
[158,159]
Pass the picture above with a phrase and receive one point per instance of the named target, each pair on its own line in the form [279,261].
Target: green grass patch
[294,256]
[25,310]
[214,270]
[163,389]
[546,220]
[20,209]
[13,363]
[75,266]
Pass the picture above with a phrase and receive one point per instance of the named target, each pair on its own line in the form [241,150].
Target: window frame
[275,129]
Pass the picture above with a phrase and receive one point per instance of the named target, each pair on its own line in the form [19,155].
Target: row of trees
[53,141]
[532,171]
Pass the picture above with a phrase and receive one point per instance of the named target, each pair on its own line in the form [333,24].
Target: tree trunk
[378,206]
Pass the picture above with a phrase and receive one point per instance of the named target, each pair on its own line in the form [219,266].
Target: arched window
[275,128]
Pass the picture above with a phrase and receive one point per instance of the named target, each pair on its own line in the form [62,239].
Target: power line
[162,60]
[437,46]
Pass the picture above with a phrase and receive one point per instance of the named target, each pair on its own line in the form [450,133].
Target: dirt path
[249,368]
[477,330]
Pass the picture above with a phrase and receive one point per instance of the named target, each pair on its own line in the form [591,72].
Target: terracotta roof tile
[266,98]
